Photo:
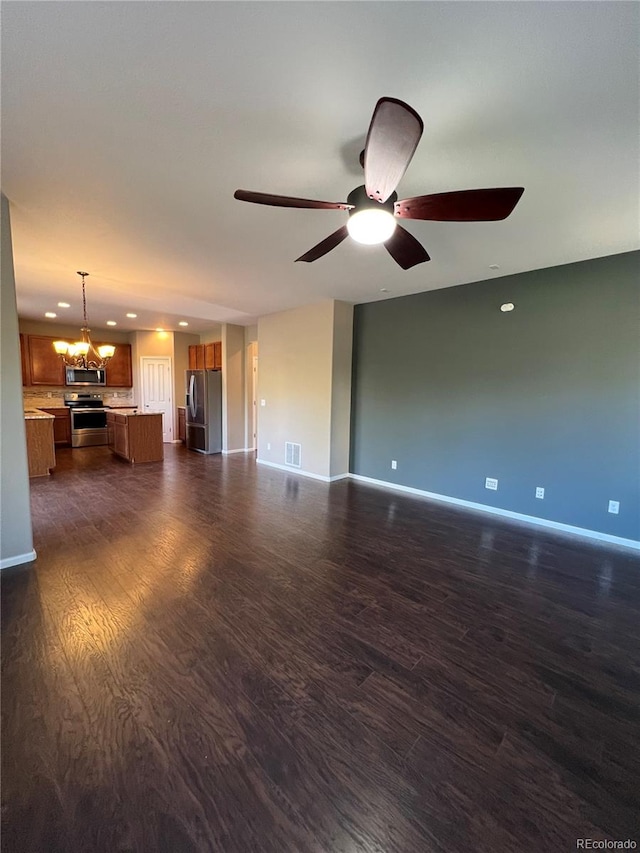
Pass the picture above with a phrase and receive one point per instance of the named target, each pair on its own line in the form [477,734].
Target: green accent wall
[547,395]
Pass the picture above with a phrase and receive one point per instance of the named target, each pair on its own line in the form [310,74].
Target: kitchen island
[41,453]
[136,436]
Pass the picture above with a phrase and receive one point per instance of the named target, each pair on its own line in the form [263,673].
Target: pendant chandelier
[83,354]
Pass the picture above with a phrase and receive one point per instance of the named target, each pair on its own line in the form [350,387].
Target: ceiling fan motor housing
[361,201]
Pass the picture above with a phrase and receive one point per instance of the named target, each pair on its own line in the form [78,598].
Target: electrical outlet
[491,483]
[268,445]
[540,493]
[394,464]
[614,507]
[263,402]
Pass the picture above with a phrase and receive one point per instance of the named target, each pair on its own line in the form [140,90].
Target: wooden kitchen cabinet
[61,425]
[41,365]
[205,356]
[24,359]
[136,437]
[213,356]
[41,453]
[45,365]
[121,438]
[182,424]
[118,371]
[196,357]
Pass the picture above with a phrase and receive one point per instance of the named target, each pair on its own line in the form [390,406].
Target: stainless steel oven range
[88,419]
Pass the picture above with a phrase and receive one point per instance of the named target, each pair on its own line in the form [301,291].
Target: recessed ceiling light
[63,305]
[507,306]
[111,323]
[50,314]
[159,329]
[384,290]
[183,323]
[494,267]
[132,316]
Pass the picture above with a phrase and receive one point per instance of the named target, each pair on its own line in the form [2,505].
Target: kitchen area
[67,407]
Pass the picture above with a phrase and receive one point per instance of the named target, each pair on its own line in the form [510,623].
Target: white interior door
[156,391]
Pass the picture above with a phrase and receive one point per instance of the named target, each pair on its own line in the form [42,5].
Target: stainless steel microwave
[78,376]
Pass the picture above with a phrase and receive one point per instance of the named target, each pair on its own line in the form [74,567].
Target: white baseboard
[239,450]
[504,513]
[290,470]
[17,559]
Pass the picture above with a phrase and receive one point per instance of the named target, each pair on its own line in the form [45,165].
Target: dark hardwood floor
[213,656]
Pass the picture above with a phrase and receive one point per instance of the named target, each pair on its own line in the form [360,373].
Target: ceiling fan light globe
[371,226]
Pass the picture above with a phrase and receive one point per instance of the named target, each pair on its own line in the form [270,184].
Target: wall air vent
[292,454]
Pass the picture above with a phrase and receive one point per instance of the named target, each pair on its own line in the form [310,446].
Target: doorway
[156,391]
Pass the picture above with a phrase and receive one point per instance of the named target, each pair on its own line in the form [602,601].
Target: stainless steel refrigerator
[204,410]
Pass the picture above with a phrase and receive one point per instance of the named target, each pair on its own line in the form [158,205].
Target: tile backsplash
[38,397]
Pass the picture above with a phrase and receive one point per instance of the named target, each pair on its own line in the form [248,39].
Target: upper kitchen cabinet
[206,356]
[196,357]
[118,369]
[45,365]
[213,356]
[41,365]
[24,359]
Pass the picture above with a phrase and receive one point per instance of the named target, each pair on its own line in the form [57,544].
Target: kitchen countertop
[37,415]
[128,414]
[130,406]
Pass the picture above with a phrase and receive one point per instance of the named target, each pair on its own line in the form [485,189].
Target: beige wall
[341,387]
[214,334]
[250,350]
[181,344]
[233,388]
[152,344]
[296,379]
[16,538]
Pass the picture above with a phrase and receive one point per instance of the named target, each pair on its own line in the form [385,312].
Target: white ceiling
[126,128]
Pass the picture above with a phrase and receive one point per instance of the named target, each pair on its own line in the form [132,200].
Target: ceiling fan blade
[289,201]
[405,249]
[393,136]
[327,245]
[461,206]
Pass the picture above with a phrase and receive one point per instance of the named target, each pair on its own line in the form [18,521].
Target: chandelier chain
[83,355]
[84,300]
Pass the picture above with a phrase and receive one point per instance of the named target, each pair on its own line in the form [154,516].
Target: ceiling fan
[392,138]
